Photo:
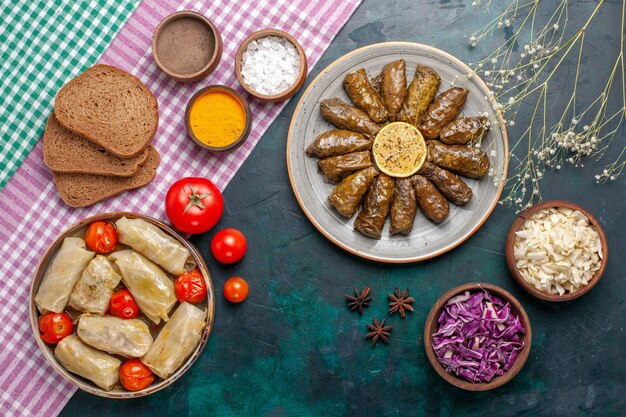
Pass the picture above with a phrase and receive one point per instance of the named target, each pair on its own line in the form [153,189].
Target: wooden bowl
[169,32]
[48,350]
[432,326]
[301,75]
[510,256]
[246,130]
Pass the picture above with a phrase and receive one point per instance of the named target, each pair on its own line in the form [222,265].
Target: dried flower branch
[523,76]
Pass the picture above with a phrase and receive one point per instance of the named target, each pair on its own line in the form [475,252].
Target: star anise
[359,301]
[400,302]
[378,331]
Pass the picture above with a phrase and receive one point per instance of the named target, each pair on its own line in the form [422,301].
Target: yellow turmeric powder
[217,118]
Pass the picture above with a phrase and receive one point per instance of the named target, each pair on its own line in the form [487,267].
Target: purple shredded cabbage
[479,336]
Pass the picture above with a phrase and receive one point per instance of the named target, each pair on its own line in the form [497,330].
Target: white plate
[427,238]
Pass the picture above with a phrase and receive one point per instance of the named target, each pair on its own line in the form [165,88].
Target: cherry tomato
[123,305]
[101,237]
[134,375]
[190,287]
[228,246]
[54,327]
[194,205]
[236,289]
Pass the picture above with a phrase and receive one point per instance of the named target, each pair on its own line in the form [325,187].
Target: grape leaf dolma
[337,167]
[419,95]
[431,202]
[442,111]
[338,142]
[462,160]
[371,219]
[393,86]
[403,207]
[463,130]
[364,96]
[347,117]
[451,186]
[347,195]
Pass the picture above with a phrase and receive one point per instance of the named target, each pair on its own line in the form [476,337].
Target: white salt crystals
[558,250]
[270,65]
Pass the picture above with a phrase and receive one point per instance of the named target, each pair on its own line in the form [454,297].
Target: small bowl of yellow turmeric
[218,118]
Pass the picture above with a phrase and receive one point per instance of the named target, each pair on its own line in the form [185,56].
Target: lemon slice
[399,150]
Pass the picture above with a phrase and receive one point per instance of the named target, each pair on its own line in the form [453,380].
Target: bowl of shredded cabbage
[477,336]
[556,250]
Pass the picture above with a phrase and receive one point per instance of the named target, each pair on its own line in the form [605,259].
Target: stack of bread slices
[97,141]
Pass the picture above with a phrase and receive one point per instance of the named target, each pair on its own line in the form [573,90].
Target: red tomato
[194,205]
[190,287]
[101,237]
[236,289]
[134,375]
[123,305]
[54,327]
[228,246]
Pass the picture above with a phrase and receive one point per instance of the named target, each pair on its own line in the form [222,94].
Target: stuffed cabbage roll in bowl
[111,301]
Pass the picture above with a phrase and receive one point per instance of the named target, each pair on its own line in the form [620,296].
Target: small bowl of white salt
[556,250]
[271,65]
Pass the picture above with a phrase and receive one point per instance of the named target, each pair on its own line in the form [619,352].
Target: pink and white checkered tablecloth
[32,214]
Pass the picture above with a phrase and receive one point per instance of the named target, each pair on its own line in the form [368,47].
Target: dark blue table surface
[292,348]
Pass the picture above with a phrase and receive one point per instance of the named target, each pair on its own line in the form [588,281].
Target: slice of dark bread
[82,190]
[66,151]
[110,107]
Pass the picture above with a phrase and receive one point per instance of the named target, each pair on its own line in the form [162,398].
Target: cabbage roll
[94,288]
[176,341]
[150,286]
[62,274]
[100,368]
[153,243]
[126,337]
